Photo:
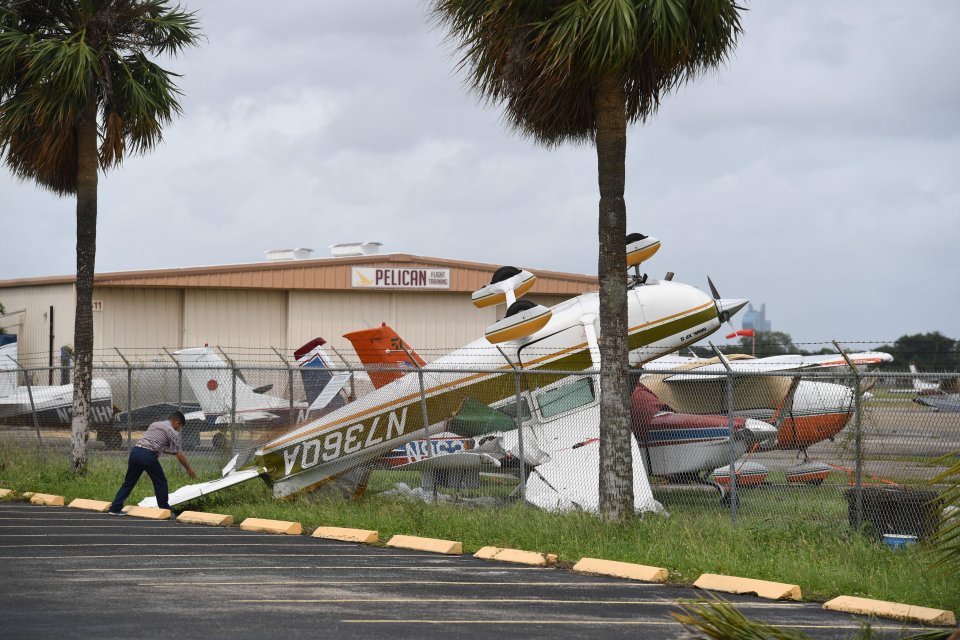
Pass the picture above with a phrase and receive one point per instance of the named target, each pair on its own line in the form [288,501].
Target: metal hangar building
[282,302]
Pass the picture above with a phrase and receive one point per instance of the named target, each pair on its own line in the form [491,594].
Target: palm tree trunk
[87,168]
[616,459]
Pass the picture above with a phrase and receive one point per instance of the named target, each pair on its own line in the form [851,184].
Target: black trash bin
[912,512]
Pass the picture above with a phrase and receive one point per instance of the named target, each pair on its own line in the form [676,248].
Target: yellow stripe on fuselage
[399,402]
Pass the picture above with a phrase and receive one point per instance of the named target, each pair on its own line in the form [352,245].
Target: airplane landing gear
[110,437]
[220,441]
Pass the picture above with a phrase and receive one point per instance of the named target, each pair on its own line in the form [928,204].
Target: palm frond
[58,55]
[720,620]
[542,61]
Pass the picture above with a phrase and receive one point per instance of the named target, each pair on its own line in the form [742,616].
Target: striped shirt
[161,437]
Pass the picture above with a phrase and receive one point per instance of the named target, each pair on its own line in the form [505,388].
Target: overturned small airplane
[555,432]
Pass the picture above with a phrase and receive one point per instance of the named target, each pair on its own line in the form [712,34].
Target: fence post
[233,398]
[857,442]
[349,367]
[290,418]
[33,408]
[732,449]
[423,400]
[129,397]
[518,420]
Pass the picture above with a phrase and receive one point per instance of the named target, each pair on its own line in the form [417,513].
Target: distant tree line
[930,351]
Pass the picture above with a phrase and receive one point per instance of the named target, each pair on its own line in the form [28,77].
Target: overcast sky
[816,172]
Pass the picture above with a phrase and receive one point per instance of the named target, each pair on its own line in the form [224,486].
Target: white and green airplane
[558,351]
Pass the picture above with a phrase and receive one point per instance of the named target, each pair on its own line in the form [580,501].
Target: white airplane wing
[194,491]
[781,363]
[452,461]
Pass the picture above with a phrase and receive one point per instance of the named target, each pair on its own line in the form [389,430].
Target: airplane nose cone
[728,307]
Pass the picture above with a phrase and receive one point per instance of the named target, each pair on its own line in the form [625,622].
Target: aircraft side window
[566,397]
[510,408]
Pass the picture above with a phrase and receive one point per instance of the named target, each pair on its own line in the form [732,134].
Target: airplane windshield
[566,397]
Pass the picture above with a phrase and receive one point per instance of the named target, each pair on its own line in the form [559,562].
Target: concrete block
[532,558]
[487,553]
[90,505]
[211,519]
[5,492]
[892,610]
[449,547]
[46,499]
[628,570]
[151,513]
[762,588]
[272,526]
[363,536]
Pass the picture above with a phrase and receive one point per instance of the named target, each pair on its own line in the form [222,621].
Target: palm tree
[580,71]
[77,91]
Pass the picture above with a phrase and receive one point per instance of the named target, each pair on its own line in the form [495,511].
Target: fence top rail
[830,374]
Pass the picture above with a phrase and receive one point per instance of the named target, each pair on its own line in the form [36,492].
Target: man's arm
[186,465]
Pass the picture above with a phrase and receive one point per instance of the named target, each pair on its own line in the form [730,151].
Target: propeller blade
[713,289]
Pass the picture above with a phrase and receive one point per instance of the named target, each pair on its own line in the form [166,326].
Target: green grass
[800,536]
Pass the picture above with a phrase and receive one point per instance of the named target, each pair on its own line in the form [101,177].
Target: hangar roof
[321,273]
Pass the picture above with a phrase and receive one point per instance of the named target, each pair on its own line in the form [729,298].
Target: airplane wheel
[112,439]
[727,500]
[190,435]
[220,440]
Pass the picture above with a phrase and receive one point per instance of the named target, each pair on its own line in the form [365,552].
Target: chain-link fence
[838,446]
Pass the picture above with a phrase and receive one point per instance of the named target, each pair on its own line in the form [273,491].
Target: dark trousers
[141,460]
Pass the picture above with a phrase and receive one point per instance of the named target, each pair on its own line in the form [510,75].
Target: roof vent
[276,255]
[355,249]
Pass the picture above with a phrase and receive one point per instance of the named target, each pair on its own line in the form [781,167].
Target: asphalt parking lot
[67,573]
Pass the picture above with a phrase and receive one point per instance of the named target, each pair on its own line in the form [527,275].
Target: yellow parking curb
[46,499]
[892,610]
[532,558]
[211,519]
[5,492]
[89,505]
[151,513]
[762,588]
[272,526]
[449,547]
[616,569]
[364,536]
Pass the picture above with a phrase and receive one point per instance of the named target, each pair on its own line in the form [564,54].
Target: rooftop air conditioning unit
[355,249]
[276,255]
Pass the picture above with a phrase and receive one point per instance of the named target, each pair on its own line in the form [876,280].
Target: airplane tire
[220,441]
[111,438]
[190,435]
[503,273]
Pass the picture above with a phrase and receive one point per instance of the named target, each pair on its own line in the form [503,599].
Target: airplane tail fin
[922,386]
[8,364]
[213,382]
[321,386]
[382,348]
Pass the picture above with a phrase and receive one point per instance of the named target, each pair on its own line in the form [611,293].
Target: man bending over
[160,437]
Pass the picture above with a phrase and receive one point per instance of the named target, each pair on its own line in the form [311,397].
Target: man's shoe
[117,513]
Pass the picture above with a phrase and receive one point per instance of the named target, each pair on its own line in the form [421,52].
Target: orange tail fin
[382,348]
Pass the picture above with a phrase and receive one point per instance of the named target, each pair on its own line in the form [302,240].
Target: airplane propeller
[726,308]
